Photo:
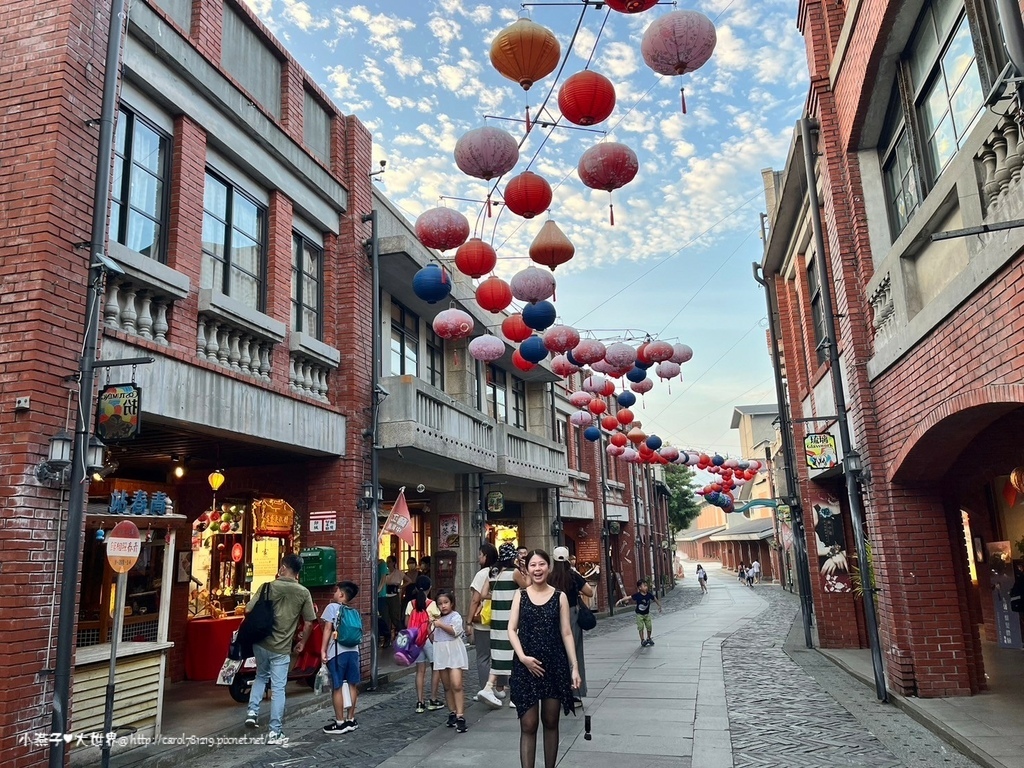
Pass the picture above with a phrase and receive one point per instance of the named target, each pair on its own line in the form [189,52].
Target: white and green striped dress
[502,591]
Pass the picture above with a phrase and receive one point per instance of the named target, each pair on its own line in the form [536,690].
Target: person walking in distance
[742,574]
[291,602]
[508,580]
[450,657]
[643,597]
[756,568]
[702,579]
[544,672]
[480,609]
[565,579]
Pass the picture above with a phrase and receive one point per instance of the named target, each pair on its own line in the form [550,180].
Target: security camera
[106,263]
[421,488]
[383,163]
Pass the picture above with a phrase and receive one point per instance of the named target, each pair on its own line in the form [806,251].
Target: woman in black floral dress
[544,670]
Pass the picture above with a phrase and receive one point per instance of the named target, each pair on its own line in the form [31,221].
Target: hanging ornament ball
[527,194]
[597,407]
[592,433]
[581,418]
[717,460]
[653,442]
[586,98]
[625,416]
[525,52]
[453,324]
[678,42]
[642,387]
[487,349]
[475,258]
[533,285]
[493,294]
[562,366]
[561,338]
[551,247]
[659,351]
[594,384]
[580,399]
[540,315]
[615,450]
[432,284]
[588,351]
[619,354]
[626,399]
[681,353]
[668,370]
[618,439]
[486,153]
[609,422]
[668,453]
[514,329]
[533,349]
[637,374]
[608,166]
[630,6]
[442,228]
[521,363]
[100,534]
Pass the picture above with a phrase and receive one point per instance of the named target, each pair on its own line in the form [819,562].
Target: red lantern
[588,351]
[514,329]
[609,422]
[521,362]
[560,364]
[625,416]
[597,407]
[493,294]
[561,338]
[608,389]
[630,6]
[586,98]
[641,354]
[618,439]
[442,228]
[475,258]
[659,351]
[608,166]
[527,195]
[551,247]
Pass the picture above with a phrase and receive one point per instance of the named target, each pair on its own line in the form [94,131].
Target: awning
[749,530]
[696,534]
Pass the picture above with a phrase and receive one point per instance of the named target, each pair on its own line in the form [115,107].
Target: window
[898,171]
[307,286]
[817,315]
[518,403]
[946,83]
[435,359]
[405,341]
[138,203]
[497,393]
[234,243]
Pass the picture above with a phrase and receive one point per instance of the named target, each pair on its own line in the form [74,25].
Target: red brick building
[930,362]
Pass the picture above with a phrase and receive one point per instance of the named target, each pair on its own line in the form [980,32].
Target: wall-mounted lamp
[366,501]
[109,467]
[852,463]
[53,471]
[556,528]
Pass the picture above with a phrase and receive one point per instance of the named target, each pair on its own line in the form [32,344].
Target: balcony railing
[530,458]
[236,336]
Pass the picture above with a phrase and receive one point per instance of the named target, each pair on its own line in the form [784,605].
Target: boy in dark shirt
[643,598]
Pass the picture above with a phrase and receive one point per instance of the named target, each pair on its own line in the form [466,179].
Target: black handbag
[256,627]
[585,617]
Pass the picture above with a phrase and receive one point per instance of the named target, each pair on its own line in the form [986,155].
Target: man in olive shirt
[273,656]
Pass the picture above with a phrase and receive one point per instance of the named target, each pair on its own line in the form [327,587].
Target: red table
[206,646]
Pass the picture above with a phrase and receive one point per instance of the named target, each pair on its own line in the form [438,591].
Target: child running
[342,661]
[450,657]
[643,597]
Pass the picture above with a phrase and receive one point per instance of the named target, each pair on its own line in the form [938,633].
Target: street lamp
[54,469]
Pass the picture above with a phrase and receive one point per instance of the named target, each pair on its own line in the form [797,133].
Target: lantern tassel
[455,358]
[682,97]
[611,214]
[528,124]
[489,213]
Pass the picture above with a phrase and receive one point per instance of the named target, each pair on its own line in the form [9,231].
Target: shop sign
[119,413]
[138,503]
[237,553]
[495,502]
[449,535]
[123,546]
[323,522]
[820,451]
[830,536]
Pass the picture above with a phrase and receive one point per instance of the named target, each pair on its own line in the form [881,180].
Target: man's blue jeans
[272,667]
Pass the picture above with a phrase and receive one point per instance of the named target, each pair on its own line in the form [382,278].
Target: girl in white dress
[450,657]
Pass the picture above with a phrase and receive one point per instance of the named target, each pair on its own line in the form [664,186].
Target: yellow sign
[820,451]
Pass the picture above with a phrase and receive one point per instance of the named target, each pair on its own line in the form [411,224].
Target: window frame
[492,388]
[298,298]
[131,117]
[517,401]
[817,315]
[434,359]
[408,338]
[262,214]
[897,131]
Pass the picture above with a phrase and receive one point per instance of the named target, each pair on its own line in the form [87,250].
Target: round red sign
[123,546]
[237,553]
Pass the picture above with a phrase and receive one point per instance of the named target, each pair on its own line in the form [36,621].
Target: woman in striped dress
[504,587]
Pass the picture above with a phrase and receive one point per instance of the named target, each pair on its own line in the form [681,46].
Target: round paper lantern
[453,324]
[608,166]
[527,194]
[625,416]
[619,354]
[755,465]
[486,348]
[533,349]
[642,362]
[581,418]
[597,407]
[432,284]
[619,439]
[514,329]
[563,367]
[486,153]
[615,450]
[626,399]
[636,435]
[442,228]
[607,390]
[539,316]
[630,6]
[731,464]
[586,98]
[533,285]
[642,359]
[637,374]
[594,384]
[668,370]
[717,460]
[561,338]
[659,351]
[525,52]
[631,456]
[580,399]
[678,42]
[475,258]
[601,366]
[653,442]
[592,433]
[668,453]
[493,294]
[551,247]
[681,353]
[588,351]
[521,363]
[642,386]
[609,422]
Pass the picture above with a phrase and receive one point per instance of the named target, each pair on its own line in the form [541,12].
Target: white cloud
[299,14]
[445,30]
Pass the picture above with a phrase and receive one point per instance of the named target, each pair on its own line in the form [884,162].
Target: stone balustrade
[234,347]
[136,309]
[1001,159]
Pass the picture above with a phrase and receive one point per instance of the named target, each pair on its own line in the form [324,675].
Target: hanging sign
[495,502]
[123,546]
[119,413]
[449,536]
[820,451]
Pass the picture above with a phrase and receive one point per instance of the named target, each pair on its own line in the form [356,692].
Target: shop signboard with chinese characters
[495,502]
[323,522]
[119,413]
[820,451]
[833,567]
[448,537]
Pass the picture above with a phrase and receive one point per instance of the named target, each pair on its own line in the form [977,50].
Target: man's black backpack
[256,627]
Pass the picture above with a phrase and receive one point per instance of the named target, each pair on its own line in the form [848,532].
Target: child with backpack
[419,614]
[450,657]
[343,632]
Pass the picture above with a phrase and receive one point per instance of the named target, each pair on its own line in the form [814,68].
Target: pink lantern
[620,354]
[731,464]
[594,384]
[560,364]
[640,387]
[453,324]
[681,353]
[678,42]
[580,399]
[659,351]
[754,465]
[615,450]
[608,166]
[561,338]
[601,366]
[442,228]
[668,370]
[588,351]
[581,418]
[486,348]
[486,153]
[533,285]
[630,455]
[668,453]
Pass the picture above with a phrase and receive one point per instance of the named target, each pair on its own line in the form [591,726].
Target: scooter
[238,675]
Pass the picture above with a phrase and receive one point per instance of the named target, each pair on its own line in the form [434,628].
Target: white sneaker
[487,697]
[511,705]
[476,697]
[501,694]
[277,740]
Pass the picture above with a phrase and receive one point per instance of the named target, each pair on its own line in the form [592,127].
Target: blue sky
[676,264]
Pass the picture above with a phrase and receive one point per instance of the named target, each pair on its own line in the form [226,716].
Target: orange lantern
[636,435]
[586,98]
[475,258]
[609,422]
[525,52]
[514,329]
[625,416]
[551,247]
[618,439]
[597,407]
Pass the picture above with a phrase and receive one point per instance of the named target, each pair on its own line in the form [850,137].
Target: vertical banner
[399,521]
[449,535]
[833,566]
